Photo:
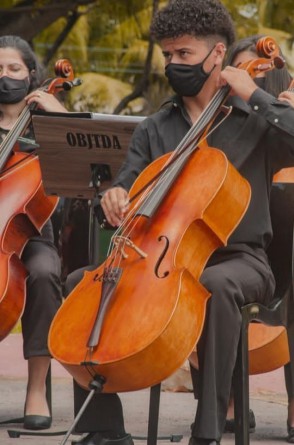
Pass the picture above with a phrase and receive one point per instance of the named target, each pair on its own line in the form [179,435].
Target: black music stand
[80,154]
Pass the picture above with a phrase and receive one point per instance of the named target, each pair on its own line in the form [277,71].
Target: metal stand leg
[96,386]
[153,414]
[241,388]
[153,420]
[49,390]
[94,232]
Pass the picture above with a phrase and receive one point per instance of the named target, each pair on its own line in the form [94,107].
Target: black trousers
[44,294]
[104,412]
[234,275]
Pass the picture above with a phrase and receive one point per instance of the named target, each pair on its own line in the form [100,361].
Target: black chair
[279,313]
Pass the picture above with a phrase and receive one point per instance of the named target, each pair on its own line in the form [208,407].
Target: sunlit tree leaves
[111,38]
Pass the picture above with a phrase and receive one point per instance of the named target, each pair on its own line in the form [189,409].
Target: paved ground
[268,400]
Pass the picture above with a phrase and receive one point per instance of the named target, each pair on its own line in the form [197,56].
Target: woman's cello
[25,207]
[136,318]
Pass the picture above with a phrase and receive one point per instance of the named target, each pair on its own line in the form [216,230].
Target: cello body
[157,307]
[26,208]
[267,347]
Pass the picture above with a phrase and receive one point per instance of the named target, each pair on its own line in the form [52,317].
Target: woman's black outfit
[43,286]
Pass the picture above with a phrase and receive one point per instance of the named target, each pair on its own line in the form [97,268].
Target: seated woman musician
[276,83]
[20,76]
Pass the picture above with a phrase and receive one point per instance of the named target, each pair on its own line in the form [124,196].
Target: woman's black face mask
[13,90]
[187,80]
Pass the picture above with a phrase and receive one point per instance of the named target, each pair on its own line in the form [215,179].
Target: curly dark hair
[198,18]
[28,56]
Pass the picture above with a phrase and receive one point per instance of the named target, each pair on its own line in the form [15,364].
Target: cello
[25,206]
[136,318]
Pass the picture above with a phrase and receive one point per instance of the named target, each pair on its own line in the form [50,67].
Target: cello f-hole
[161,257]
[98,277]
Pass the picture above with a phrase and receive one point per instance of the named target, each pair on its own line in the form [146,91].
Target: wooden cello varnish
[27,208]
[158,308]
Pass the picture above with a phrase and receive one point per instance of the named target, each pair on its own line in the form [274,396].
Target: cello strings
[192,136]
[184,147]
[187,145]
[13,134]
[17,129]
[127,224]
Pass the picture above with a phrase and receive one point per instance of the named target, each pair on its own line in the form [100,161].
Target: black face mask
[260,82]
[187,80]
[13,90]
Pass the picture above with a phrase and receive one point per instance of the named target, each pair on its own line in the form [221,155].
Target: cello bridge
[121,241]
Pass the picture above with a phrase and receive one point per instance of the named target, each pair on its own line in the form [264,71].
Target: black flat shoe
[34,422]
[230,424]
[290,437]
[98,439]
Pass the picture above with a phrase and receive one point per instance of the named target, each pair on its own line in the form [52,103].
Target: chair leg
[49,390]
[241,388]
[153,414]
[290,335]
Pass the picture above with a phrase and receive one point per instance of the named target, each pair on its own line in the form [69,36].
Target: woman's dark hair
[28,56]
[276,80]
[198,18]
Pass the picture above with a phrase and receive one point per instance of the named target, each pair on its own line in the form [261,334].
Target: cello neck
[181,154]
[196,131]
[16,131]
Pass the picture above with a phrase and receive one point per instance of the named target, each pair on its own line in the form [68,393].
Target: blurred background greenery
[110,49]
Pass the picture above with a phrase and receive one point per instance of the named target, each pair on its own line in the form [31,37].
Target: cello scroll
[268,59]
[64,79]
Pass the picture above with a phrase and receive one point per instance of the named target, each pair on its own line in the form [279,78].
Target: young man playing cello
[258,139]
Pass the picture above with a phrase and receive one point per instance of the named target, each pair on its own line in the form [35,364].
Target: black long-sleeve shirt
[257,138]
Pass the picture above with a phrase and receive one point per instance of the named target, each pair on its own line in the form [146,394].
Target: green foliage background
[109,42]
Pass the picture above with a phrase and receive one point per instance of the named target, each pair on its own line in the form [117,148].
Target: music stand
[80,154]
